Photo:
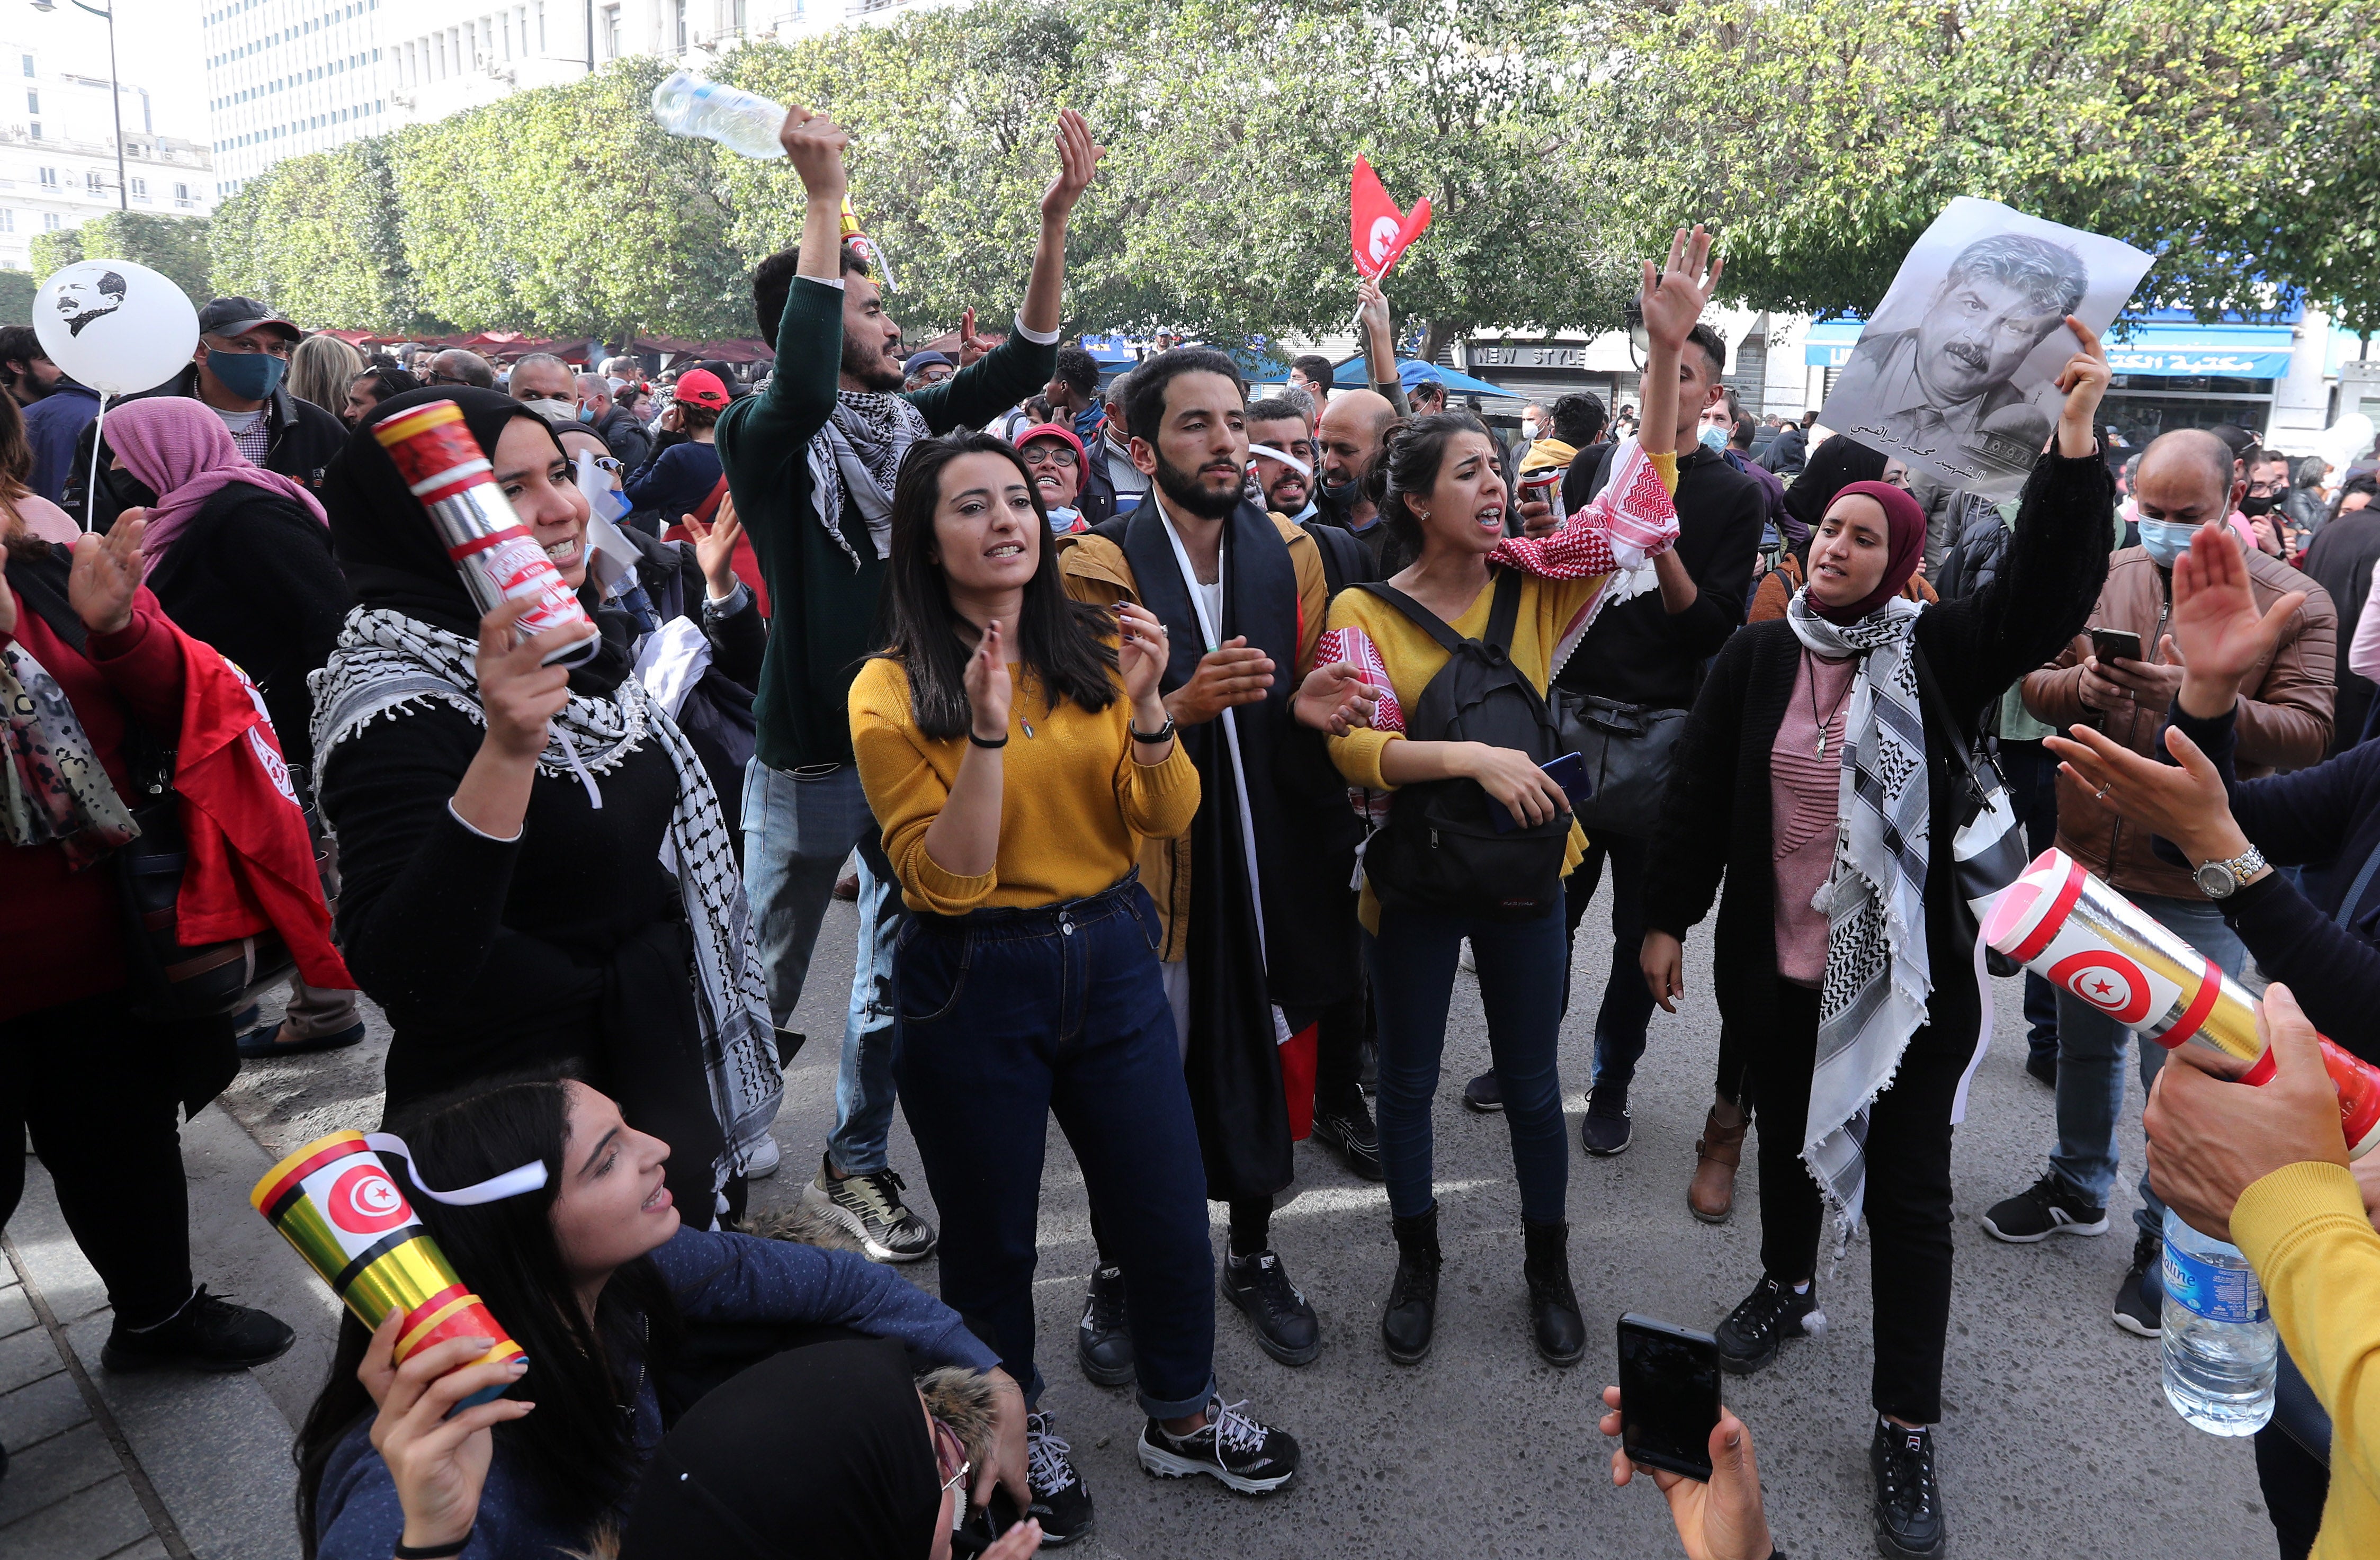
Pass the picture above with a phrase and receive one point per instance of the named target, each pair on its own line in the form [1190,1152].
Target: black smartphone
[1568,771]
[1669,1396]
[2115,643]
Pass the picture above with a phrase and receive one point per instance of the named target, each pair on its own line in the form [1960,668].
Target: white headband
[1284,457]
[512,1183]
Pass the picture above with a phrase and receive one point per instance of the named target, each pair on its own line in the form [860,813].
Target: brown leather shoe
[1718,1154]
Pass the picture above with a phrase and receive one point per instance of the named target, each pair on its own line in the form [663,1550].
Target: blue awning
[2160,349]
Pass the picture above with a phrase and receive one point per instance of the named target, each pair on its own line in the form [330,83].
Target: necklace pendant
[1822,744]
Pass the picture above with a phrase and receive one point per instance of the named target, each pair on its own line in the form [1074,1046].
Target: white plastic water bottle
[744,123]
[2221,1349]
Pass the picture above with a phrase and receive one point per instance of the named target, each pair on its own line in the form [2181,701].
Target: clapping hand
[1237,674]
[1141,652]
[987,684]
[2183,801]
[1335,698]
[108,573]
[1078,159]
[714,547]
[2216,625]
[1674,299]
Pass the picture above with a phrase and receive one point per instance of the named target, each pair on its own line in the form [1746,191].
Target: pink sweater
[1805,807]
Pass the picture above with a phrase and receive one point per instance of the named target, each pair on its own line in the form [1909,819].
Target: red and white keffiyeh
[1621,530]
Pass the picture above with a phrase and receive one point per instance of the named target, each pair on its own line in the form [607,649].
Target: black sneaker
[1103,1339]
[1908,1501]
[1252,1458]
[1060,1504]
[2043,1066]
[1755,1330]
[1605,1131]
[2045,1208]
[1286,1326]
[1483,1094]
[2140,1299]
[1346,1130]
[208,1334]
[1368,1067]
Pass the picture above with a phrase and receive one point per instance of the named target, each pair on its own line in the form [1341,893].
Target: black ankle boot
[1411,1314]
[1553,1305]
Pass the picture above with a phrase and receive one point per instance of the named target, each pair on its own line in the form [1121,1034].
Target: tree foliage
[52,251]
[175,247]
[16,289]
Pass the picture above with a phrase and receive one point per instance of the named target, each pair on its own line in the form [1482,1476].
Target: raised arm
[761,435]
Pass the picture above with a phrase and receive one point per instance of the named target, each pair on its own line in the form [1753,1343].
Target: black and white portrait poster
[1953,372]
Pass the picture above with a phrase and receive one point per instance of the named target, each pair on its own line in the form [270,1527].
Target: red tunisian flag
[251,866]
[1381,233]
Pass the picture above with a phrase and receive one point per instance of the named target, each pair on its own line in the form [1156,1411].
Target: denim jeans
[1627,1002]
[2090,1064]
[799,828]
[1009,1017]
[1520,977]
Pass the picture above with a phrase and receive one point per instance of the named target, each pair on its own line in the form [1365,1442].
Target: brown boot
[1718,1154]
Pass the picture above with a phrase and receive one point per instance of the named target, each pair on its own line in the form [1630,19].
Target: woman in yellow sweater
[1445,502]
[1015,752]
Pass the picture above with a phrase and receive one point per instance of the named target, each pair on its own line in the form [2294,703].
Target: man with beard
[811,464]
[1248,902]
[1280,456]
[1354,428]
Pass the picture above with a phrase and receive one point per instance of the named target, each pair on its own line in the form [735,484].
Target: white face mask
[1529,428]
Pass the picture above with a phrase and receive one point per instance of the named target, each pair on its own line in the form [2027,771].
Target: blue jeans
[1627,1002]
[1520,978]
[799,828]
[2090,1064]
[1010,1016]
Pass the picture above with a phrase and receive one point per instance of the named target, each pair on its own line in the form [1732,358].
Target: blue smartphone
[1568,771]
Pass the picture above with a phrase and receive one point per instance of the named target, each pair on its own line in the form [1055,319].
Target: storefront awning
[2170,350]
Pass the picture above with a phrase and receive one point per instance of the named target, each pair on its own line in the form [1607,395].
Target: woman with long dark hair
[1818,776]
[502,827]
[1530,602]
[605,1289]
[1014,749]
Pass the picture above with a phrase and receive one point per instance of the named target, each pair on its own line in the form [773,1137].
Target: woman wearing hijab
[241,559]
[1838,464]
[1843,959]
[537,871]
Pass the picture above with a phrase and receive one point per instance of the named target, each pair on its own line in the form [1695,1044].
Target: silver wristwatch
[2221,879]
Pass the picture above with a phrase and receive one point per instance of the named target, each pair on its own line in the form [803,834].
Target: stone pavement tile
[69,1285]
[15,1310]
[27,1357]
[50,1470]
[39,1411]
[150,1548]
[97,1522]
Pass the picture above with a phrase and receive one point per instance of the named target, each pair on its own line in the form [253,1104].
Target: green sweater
[825,609]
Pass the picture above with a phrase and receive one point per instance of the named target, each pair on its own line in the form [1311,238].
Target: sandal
[1719,1153]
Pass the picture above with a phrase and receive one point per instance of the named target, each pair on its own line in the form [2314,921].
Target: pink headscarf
[180,448]
[1905,526]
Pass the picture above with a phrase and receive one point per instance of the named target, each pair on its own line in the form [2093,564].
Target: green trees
[1557,140]
[176,248]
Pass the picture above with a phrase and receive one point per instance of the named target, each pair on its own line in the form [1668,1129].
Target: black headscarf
[821,1451]
[390,552]
[1832,467]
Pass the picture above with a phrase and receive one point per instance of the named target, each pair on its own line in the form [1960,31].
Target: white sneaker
[764,1161]
[1465,959]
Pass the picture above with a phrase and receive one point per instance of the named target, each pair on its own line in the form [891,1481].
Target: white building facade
[58,154]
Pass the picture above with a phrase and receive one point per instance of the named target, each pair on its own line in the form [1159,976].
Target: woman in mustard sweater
[1015,752]
[1445,500]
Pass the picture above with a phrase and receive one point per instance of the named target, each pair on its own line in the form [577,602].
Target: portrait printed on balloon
[115,325]
[1954,370]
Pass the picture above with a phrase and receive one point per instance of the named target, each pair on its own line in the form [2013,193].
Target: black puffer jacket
[1979,540]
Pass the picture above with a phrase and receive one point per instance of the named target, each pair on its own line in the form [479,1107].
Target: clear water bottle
[2221,1349]
[744,123]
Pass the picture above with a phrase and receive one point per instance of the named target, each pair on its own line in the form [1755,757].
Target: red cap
[701,387]
[1052,430]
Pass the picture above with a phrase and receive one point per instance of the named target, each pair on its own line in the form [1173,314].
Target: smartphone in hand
[1669,1396]
[2115,643]
[1568,771]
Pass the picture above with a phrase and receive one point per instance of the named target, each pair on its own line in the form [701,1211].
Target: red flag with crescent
[1379,231]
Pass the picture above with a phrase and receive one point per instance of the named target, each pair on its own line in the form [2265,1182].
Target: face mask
[1062,520]
[251,375]
[1343,495]
[553,411]
[1713,437]
[129,490]
[586,414]
[1529,428]
[2165,540]
[2253,506]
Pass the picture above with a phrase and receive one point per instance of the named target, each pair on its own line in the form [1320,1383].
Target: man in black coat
[236,372]
[2341,561]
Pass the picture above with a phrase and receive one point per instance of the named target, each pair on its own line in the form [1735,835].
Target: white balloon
[115,325]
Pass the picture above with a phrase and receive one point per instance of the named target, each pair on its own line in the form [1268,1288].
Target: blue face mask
[2165,540]
[586,414]
[251,375]
[1714,438]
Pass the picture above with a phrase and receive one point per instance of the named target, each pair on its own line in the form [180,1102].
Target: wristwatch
[2221,879]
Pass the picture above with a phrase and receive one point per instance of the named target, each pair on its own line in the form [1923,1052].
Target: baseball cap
[1052,430]
[1414,372]
[238,316]
[925,359]
[701,387]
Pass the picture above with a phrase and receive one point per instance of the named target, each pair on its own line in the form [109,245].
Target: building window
[90,183]
[610,32]
[141,189]
[7,220]
[181,192]
[49,222]
[49,178]
[32,100]
[36,128]
[678,9]
[29,65]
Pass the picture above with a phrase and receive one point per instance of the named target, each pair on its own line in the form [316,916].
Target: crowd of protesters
[1187,738]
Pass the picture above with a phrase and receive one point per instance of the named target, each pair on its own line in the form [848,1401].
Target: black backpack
[1441,850]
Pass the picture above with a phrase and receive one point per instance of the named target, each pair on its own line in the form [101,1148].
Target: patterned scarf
[860,450]
[55,790]
[1879,977]
[385,661]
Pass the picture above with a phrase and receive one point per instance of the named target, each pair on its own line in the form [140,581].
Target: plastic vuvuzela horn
[2085,937]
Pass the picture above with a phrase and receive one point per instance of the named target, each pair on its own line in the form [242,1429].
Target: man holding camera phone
[2186,481]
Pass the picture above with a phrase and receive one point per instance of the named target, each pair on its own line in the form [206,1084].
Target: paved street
[2056,1442]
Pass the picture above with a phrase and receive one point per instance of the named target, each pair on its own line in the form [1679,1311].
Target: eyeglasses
[436,377]
[950,1456]
[2272,489]
[1050,455]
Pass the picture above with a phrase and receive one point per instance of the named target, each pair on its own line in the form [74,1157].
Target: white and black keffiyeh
[860,450]
[387,662]
[1879,977]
